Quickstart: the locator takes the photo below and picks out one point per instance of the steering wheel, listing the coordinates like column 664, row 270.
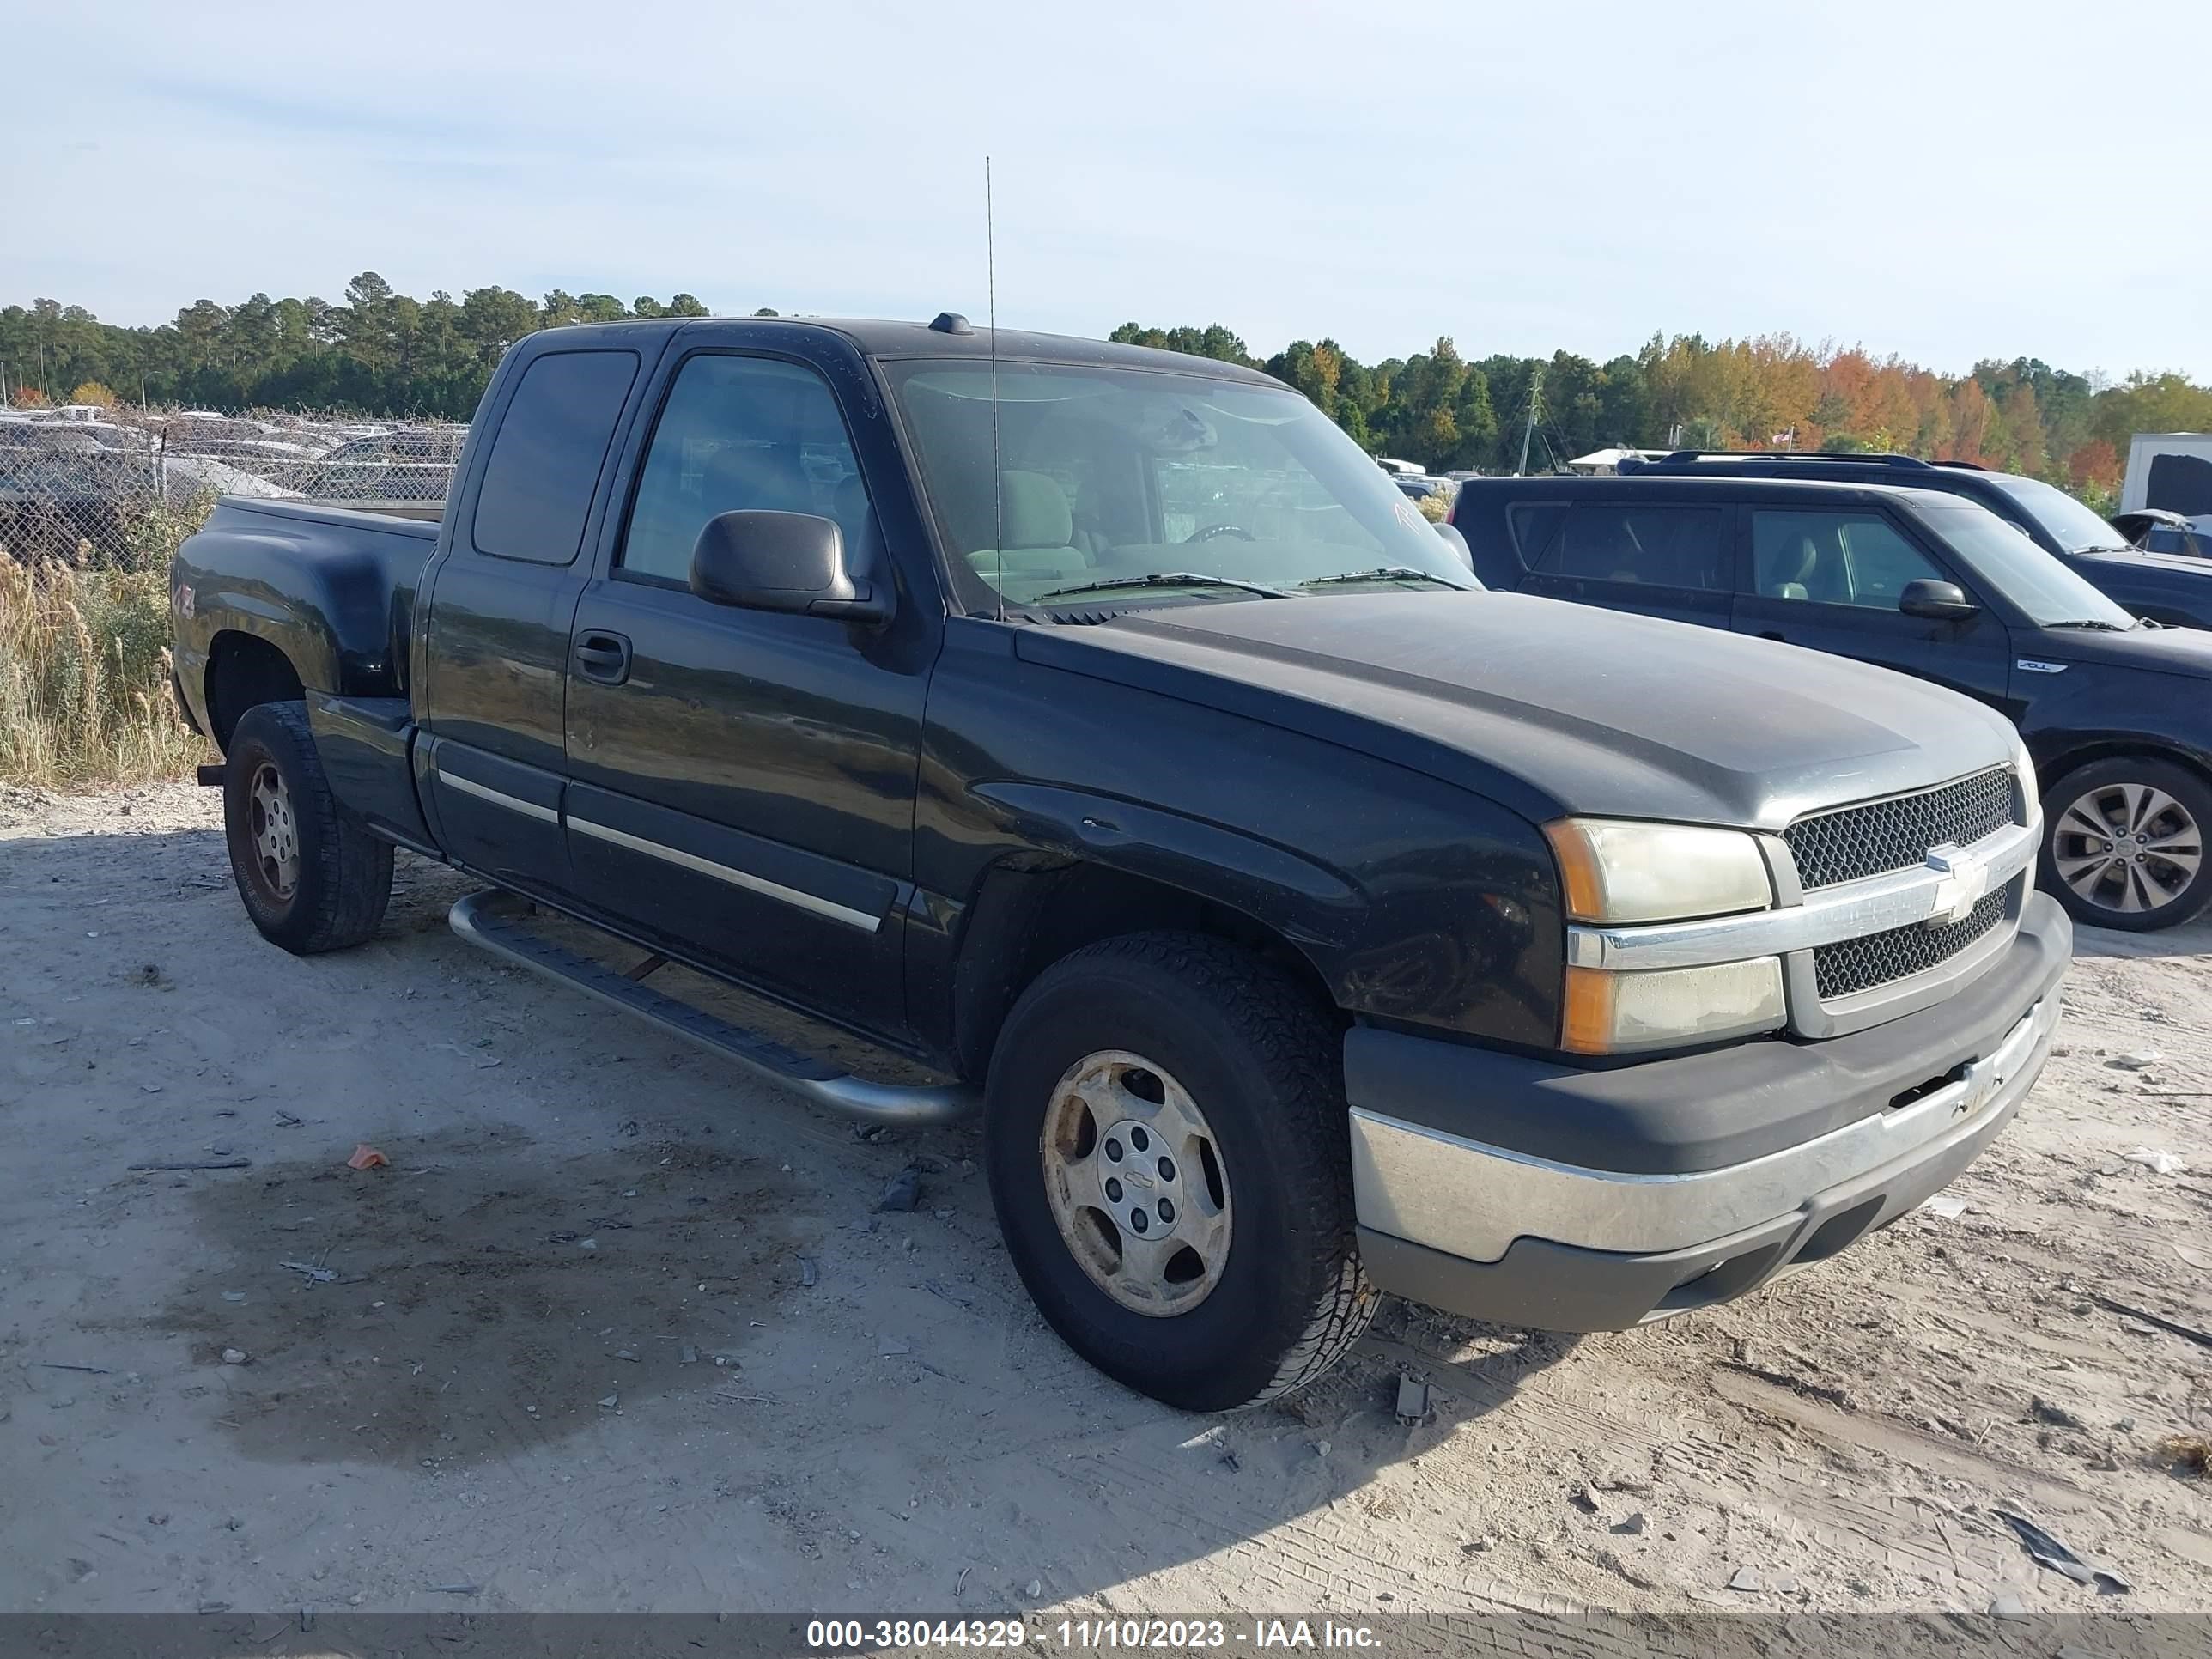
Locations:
column 1213, row 530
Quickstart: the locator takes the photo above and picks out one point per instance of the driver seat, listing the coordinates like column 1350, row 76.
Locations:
column 1038, row 529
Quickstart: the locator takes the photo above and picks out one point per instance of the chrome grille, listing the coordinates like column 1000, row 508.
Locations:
column 1897, row 834
column 1861, row 964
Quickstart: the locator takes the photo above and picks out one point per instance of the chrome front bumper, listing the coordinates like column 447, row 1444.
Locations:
column 1472, row 1201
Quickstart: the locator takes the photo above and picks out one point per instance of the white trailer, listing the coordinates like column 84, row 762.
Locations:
column 2172, row 470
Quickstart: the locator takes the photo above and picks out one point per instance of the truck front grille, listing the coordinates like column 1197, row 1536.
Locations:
column 1854, row 842
column 1861, row 964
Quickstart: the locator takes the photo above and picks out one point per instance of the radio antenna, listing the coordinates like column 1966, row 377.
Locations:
column 991, row 318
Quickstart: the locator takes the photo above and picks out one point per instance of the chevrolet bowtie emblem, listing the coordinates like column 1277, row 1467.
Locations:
column 1966, row 879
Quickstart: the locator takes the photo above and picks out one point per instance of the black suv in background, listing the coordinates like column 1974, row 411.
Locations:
column 2175, row 591
column 2115, row 711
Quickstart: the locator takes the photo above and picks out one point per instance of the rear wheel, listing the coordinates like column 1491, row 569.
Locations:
column 2124, row 843
column 313, row 877
column 1169, row 1155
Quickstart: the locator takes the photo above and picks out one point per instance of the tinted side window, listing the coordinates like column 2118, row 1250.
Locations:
column 1659, row 546
column 1834, row 558
column 546, row 456
column 743, row 433
column 1535, row 527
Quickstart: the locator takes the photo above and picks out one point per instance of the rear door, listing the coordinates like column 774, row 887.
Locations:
column 742, row 784
column 1831, row 579
column 1658, row 558
column 501, row 603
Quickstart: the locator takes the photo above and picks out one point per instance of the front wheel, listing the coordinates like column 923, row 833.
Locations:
column 2124, row 843
column 313, row 877
column 1169, row 1155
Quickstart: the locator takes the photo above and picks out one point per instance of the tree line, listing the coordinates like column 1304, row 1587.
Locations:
column 383, row 353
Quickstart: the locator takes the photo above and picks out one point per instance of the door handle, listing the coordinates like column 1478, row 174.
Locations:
column 603, row 657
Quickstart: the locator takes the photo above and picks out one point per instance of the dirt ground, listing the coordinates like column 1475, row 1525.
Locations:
column 617, row 1330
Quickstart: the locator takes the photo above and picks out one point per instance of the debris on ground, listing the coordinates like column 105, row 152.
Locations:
column 2203, row 1339
column 2048, row 1551
column 1581, row 1498
column 2159, row 1161
column 2007, row 1605
column 1945, row 1207
column 1747, row 1579
column 903, row 1191
column 1796, row 1385
column 315, row 1275
column 1413, row 1399
column 234, row 1356
column 2191, row 1453
column 60, row 1365
column 2136, row 1060
column 2201, row 1260
column 891, row 1345
column 365, row 1157
column 454, row 1590
column 806, row 1274
column 1629, row 1525
column 610, row 1402
column 194, row 1164
column 2043, row 1411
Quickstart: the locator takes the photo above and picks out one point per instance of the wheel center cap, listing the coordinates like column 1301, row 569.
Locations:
column 1142, row 1185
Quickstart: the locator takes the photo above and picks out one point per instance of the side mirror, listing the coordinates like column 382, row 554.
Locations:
column 788, row 562
column 1936, row 601
column 1457, row 543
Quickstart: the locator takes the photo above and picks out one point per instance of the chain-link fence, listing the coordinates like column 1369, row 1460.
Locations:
column 115, row 487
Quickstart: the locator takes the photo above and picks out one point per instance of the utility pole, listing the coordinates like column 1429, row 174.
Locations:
column 1528, row 432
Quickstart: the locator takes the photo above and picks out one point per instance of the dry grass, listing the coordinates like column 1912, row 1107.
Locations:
column 84, row 675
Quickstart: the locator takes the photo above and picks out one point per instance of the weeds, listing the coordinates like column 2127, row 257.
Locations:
column 84, row 668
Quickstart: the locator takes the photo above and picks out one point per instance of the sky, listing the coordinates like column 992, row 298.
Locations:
column 1950, row 180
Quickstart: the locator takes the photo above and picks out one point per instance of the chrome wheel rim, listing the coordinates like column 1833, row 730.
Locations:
column 2128, row 848
column 273, row 832
column 1137, row 1183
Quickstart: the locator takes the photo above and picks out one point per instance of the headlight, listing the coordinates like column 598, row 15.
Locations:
column 1614, row 1014
column 2023, row 766
column 1620, row 872
column 1618, row 869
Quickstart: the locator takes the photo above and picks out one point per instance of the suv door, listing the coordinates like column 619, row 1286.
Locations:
column 500, row 604
column 1659, row 558
column 741, row 783
column 1830, row 578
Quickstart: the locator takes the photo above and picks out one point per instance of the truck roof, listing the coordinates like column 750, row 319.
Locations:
column 877, row 337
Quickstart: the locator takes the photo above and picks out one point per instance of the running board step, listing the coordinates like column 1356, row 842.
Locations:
column 488, row 920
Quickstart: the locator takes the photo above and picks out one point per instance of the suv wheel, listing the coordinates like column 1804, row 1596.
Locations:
column 1167, row 1143
column 2124, row 843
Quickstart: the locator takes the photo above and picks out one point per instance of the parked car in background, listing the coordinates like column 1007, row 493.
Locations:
column 2117, row 714
column 2157, row 530
column 410, row 464
column 1097, row 727
column 2173, row 590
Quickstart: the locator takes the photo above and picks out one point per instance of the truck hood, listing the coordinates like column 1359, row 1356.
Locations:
column 1552, row 708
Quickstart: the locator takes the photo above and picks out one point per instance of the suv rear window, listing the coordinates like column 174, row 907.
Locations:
column 546, row 459
column 1652, row 544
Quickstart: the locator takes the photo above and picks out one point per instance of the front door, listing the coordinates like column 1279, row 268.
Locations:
column 742, row 784
column 1831, row 580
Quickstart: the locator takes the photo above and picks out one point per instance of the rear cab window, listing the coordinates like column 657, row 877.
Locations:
column 546, row 457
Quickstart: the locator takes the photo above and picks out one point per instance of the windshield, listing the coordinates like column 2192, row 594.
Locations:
column 2042, row 587
column 2074, row 527
column 1108, row 475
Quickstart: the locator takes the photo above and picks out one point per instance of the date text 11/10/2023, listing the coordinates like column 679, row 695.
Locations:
column 1157, row 1635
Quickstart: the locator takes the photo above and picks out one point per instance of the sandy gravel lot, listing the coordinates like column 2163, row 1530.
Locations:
column 617, row 1330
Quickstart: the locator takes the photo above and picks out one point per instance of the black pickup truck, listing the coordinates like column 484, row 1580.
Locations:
column 1101, row 729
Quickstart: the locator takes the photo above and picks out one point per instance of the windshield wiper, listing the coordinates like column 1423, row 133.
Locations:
column 1389, row 573
column 2100, row 626
column 1169, row 578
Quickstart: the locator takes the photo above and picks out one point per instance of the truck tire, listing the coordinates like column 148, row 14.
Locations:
column 2124, row 843
column 1167, row 1143
column 313, row 877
